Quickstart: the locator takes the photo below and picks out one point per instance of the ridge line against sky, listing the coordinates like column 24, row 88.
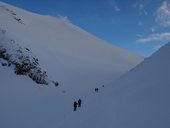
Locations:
column 141, row 26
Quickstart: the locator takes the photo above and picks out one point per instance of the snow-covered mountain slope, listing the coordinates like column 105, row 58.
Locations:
column 139, row 99
column 68, row 54
column 77, row 60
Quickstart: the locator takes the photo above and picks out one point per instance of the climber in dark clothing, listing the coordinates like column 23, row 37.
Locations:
column 75, row 106
column 79, row 103
column 96, row 89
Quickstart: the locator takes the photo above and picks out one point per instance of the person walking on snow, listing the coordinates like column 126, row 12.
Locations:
column 79, row 103
column 75, row 105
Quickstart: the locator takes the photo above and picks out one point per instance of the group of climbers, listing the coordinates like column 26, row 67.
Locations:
column 77, row 104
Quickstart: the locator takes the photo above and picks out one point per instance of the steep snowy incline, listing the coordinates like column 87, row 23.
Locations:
column 140, row 99
column 24, row 105
column 79, row 61
column 67, row 52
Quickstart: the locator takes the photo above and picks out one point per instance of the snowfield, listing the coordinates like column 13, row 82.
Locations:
column 139, row 99
column 133, row 96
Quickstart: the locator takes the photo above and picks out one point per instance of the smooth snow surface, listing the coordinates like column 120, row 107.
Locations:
column 77, row 60
column 139, row 99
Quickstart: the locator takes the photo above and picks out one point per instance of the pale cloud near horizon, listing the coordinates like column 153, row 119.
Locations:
column 154, row 37
column 163, row 14
column 163, row 19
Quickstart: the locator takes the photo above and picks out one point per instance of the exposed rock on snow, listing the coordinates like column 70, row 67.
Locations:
column 23, row 60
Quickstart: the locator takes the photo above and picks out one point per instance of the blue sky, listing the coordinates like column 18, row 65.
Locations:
column 141, row 26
